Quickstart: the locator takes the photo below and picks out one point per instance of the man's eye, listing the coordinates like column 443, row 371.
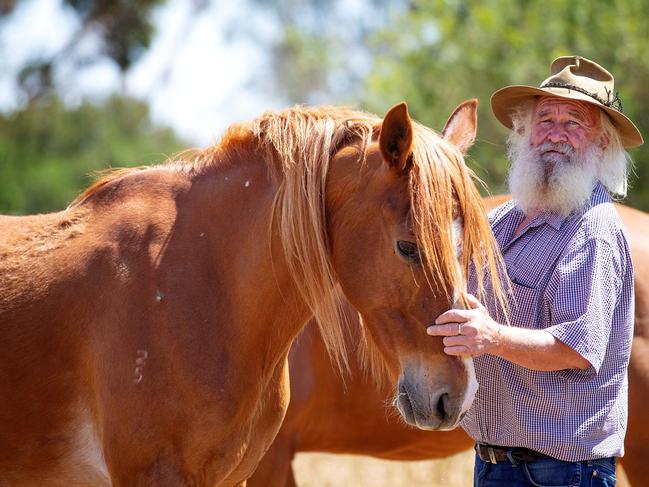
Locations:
column 408, row 250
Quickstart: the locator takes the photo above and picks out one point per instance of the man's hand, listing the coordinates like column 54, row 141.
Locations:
column 471, row 332
column 467, row 332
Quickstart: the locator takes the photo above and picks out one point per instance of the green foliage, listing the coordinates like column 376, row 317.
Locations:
column 120, row 30
column 441, row 52
column 47, row 152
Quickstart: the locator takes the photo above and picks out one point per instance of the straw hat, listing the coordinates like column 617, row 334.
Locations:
column 575, row 78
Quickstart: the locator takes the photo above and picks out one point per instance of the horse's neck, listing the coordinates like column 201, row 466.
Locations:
column 264, row 302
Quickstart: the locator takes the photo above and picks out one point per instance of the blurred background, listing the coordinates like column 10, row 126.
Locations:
column 91, row 84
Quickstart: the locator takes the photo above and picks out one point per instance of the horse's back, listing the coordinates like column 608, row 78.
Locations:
column 69, row 282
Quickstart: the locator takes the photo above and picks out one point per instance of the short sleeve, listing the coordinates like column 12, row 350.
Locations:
column 588, row 286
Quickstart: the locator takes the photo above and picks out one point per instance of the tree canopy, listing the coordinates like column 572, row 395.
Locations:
column 48, row 151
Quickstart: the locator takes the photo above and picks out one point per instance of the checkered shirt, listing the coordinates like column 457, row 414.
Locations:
column 573, row 278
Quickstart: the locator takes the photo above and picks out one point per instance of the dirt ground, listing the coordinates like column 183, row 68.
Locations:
column 321, row 470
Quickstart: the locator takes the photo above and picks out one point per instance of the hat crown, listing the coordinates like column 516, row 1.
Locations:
column 581, row 74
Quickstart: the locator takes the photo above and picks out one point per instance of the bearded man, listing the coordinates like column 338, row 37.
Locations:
column 551, row 408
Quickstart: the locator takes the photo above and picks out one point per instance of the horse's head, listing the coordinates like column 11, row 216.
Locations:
column 403, row 230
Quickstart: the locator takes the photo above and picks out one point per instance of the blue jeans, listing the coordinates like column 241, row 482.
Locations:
column 545, row 472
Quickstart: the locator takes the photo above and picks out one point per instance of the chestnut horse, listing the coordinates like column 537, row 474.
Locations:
column 329, row 415
column 144, row 330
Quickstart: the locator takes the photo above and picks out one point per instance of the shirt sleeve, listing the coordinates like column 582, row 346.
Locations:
column 589, row 283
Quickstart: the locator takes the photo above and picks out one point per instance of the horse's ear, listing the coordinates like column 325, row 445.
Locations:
column 460, row 129
column 395, row 139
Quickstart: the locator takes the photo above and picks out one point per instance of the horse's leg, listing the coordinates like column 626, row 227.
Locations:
column 290, row 480
column 634, row 464
column 636, row 443
column 275, row 468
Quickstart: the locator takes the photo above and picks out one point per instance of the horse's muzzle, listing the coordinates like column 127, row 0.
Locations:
column 432, row 411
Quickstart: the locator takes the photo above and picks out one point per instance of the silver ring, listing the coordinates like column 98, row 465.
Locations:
column 459, row 328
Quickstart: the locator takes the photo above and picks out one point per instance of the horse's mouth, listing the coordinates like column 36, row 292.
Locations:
column 405, row 408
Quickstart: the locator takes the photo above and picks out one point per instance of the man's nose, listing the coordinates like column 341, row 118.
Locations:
column 557, row 134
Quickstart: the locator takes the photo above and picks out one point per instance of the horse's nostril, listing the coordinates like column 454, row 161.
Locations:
column 442, row 406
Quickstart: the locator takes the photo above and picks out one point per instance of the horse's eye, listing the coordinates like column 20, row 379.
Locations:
column 408, row 250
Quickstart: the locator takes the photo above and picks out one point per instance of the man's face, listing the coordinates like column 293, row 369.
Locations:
column 561, row 127
column 554, row 164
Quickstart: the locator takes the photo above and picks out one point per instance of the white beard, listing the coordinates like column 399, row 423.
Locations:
column 559, row 183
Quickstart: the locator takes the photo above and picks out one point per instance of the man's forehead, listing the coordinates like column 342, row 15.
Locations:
column 580, row 109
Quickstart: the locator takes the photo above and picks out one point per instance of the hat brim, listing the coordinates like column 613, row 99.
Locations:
column 505, row 101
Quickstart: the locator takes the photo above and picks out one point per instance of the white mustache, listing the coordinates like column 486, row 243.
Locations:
column 562, row 148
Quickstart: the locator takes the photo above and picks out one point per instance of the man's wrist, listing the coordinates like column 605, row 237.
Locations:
column 499, row 339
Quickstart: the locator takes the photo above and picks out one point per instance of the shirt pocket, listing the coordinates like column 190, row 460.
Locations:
column 524, row 306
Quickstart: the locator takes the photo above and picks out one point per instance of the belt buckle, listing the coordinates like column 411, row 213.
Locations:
column 492, row 455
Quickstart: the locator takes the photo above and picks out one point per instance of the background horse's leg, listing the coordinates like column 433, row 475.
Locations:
column 636, row 444
column 275, row 468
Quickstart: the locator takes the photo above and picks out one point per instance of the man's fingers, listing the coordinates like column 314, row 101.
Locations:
column 452, row 316
column 458, row 350
column 453, row 341
column 450, row 329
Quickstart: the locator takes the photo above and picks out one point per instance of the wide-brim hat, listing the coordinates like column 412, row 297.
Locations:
column 574, row 78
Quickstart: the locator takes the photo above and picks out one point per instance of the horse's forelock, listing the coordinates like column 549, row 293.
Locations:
column 438, row 171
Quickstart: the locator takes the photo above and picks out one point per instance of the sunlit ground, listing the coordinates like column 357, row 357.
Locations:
column 320, row 470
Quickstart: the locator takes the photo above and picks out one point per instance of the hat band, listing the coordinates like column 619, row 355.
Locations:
column 612, row 101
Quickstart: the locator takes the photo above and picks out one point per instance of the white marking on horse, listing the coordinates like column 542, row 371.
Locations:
column 471, row 387
column 159, row 296
column 458, row 228
column 123, row 270
column 472, row 381
column 456, row 234
column 140, row 362
column 247, row 183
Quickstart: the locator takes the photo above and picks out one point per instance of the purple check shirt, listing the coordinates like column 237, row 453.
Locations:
column 573, row 278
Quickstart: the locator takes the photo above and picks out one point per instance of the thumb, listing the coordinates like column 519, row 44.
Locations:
column 473, row 301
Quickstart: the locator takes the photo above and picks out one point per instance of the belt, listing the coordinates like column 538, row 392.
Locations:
column 495, row 454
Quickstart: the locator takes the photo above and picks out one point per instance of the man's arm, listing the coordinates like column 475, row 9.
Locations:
column 532, row 349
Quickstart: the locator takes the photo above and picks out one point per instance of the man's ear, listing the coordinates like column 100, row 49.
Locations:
column 395, row 140
column 461, row 127
column 604, row 140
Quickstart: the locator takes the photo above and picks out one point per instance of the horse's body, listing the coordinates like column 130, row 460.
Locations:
column 326, row 415
column 144, row 331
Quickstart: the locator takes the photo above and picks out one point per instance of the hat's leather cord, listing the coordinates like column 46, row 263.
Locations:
column 613, row 100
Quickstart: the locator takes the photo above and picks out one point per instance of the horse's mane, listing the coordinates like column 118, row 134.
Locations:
column 299, row 143
column 303, row 141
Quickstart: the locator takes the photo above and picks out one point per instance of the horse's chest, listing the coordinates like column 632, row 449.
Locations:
column 270, row 412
